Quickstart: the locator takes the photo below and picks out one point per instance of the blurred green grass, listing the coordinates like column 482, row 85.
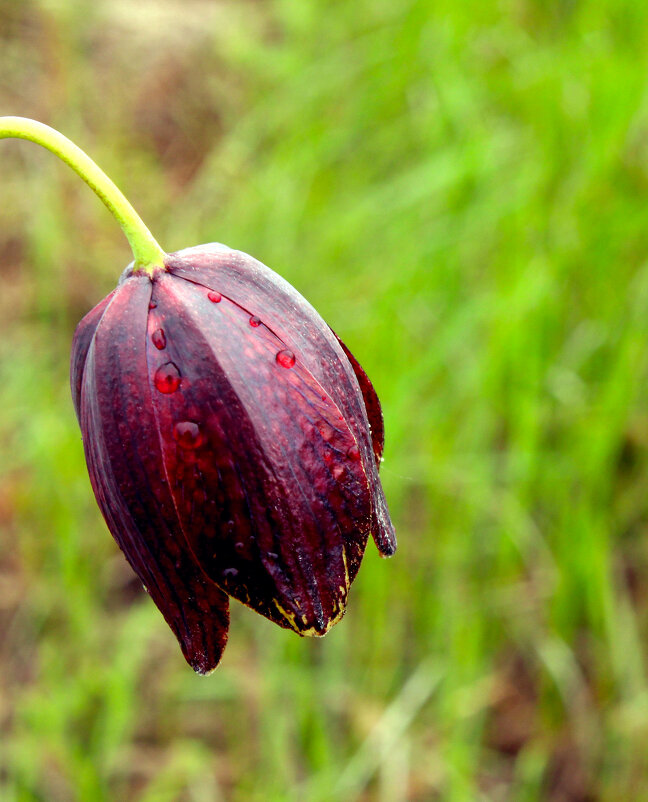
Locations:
column 460, row 190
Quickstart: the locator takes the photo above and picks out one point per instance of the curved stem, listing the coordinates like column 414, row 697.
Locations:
column 147, row 253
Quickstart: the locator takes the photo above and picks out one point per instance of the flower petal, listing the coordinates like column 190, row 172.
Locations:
column 257, row 456
column 381, row 528
column 80, row 345
column 124, row 457
column 372, row 404
column 293, row 320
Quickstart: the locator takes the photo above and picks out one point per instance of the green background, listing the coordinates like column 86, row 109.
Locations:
column 460, row 188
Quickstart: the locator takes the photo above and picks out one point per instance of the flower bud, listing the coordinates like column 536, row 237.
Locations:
column 233, row 445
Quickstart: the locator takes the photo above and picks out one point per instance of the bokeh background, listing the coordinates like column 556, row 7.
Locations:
column 461, row 189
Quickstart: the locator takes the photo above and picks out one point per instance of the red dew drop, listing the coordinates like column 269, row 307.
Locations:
column 167, row 378
column 338, row 471
column 187, row 434
column 215, row 297
column 286, row 358
column 353, row 453
column 159, row 339
column 152, row 304
column 254, row 321
column 328, row 456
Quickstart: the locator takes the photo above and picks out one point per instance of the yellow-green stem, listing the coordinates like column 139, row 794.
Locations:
column 147, row 253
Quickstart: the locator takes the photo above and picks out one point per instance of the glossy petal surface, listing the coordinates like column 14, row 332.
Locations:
column 281, row 507
column 124, row 458
column 248, row 281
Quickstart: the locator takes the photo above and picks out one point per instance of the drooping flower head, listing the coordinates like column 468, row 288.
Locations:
column 233, row 444
column 232, row 440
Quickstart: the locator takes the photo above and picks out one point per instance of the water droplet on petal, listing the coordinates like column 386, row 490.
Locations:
column 230, row 572
column 338, row 471
column 167, row 378
column 159, row 339
column 254, row 321
column 214, row 297
column 286, row 358
column 353, row 453
column 328, row 456
column 239, row 546
column 272, row 555
column 152, row 304
column 187, row 434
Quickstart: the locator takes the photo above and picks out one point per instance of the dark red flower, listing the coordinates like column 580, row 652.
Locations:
column 233, row 445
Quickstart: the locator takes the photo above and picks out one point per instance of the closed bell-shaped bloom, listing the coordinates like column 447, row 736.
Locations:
column 232, row 440
column 233, row 445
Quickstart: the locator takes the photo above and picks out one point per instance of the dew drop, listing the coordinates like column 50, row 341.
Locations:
column 167, row 378
column 254, row 321
column 152, row 304
column 353, row 453
column 272, row 555
column 285, row 358
column 338, row 471
column 230, row 572
column 239, row 546
column 159, row 339
column 187, row 434
column 328, row 456
column 214, row 297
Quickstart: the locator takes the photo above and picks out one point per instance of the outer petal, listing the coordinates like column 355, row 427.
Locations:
column 294, row 321
column 372, row 404
column 80, row 345
column 124, row 457
column 257, row 457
